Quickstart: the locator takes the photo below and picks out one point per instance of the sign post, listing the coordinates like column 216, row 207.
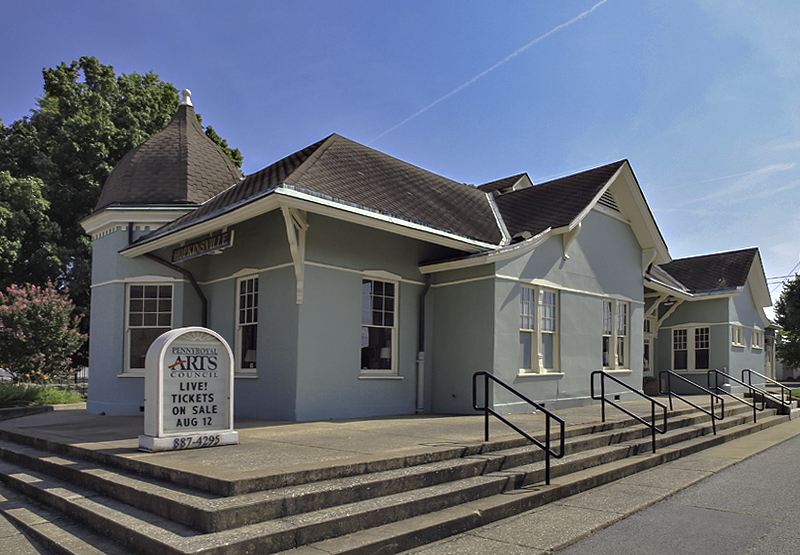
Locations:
column 188, row 388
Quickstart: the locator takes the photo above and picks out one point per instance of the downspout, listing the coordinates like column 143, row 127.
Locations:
column 421, row 350
column 188, row 275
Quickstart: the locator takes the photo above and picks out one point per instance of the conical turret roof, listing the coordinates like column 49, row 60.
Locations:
column 179, row 165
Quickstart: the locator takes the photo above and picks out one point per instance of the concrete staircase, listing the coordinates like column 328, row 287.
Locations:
column 76, row 501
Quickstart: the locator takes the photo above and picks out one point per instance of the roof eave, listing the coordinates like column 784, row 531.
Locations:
column 285, row 196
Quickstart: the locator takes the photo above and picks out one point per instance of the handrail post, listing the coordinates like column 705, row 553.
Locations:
column 603, row 396
column 653, row 429
column 486, row 405
column 547, row 452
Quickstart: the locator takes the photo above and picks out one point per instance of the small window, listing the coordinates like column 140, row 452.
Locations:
column 701, row 348
column 680, row 352
column 758, row 339
column 615, row 334
column 378, row 326
column 737, row 336
column 149, row 315
column 247, row 326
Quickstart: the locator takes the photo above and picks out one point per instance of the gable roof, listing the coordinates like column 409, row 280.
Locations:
column 346, row 174
column 724, row 273
column 553, row 204
column 177, row 166
column 712, row 272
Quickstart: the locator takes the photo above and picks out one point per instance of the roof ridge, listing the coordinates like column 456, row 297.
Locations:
column 312, row 158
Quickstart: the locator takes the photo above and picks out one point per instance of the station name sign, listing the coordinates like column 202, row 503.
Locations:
column 199, row 248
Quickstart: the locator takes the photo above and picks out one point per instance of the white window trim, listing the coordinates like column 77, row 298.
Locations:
column 615, row 335
column 243, row 372
column 758, row 339
column 126, row 367
column 385, row 373
column 691, row 348
column 737, row 335
column 537, row 357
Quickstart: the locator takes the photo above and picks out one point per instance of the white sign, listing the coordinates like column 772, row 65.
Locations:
column 188, row 391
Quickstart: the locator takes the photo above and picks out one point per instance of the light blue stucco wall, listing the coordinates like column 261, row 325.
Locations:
column 720, row 315
column 111, row 390
column 477, row 317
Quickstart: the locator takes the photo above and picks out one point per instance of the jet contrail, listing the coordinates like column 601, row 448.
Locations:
column 495, row 66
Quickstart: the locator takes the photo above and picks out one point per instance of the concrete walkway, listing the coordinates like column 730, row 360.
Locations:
column 749, row 504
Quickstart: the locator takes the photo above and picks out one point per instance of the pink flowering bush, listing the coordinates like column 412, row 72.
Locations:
column 38, row 333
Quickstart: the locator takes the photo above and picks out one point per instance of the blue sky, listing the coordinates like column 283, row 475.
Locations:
column 701, row 96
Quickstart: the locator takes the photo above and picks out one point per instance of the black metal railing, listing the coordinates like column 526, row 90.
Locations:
column 652, row 425
column 754, row 391
column 487, row 410
column 713, row 396
column 786, row 392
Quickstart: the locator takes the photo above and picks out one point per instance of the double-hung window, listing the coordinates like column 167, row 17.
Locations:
column 149, row 315
column 758, row 340
column 615, row 343
column 247, row 326
column 538, row 332
column 378, row 327
column 691, row 348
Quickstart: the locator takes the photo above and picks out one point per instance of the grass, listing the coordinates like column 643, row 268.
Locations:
column 21, row 395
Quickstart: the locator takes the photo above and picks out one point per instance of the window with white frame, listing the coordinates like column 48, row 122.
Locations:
column 616, row 344
column 758, row 339
column 538, row 333
column 737, row 336
column 149, row 315
column 378, row 326
column 691, row 348
column 247, row 326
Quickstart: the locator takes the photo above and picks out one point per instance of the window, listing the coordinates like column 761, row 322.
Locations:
column 701, row 345
column 758, row 339
column 680, row 351
column 149, row 315
column 378, row 326
column 538, row 333
column 615, row 334
column 247, row 326
column 691, row 356
column 737, row 336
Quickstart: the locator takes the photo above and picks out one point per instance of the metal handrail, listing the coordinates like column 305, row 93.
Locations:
column 653, row 403
column 487, row 410
column 784, row 389
column 753, row 390
column 713, row 396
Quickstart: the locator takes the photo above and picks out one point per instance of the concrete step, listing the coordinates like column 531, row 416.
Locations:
column 400, row 536
column 211, row 513
column 57, row 534
column 151, row 533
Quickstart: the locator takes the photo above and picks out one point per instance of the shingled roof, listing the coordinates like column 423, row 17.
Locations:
column 553, row 204
column 712, row 272
column 350, row 174
column 178, row 166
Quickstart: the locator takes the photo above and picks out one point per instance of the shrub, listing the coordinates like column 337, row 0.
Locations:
column 38, row 333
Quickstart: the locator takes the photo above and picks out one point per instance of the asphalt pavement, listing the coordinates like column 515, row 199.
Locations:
column 737, row 498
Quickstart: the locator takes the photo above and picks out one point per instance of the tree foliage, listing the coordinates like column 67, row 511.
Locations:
column 787, row 315
column 27, row 235
column 38, row 332
column 86, row 121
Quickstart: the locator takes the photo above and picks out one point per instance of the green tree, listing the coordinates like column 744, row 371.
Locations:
column 27, row 249
column 787, row 315
column 38, row 332
column 86, row 121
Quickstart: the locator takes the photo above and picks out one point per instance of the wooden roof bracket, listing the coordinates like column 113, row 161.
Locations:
column 569, row 237
column 296, row 226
